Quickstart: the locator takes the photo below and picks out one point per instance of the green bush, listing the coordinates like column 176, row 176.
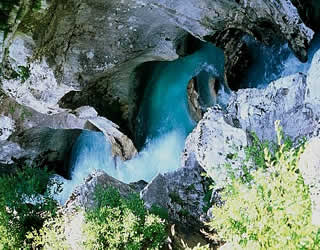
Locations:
column 118, row 223
column 273, row 209
column 50, row 236
column 25, row 202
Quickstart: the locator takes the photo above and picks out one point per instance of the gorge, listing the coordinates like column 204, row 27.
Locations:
column 154, row 97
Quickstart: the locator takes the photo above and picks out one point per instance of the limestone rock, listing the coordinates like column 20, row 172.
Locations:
column 121, row 145
column 7, row 127
column 214, row 144
column 194, row 106
column 312, row 94
column 10, row 150
column 47, row 147
column 309, row 165
column 21, row 118
column 83, row 195
column 182, row 193
column 309, row 11
column 63, row 59
column 256, row 110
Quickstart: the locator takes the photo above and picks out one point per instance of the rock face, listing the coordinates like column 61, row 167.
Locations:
column 47, row 147
column 195, row 109
column 57, row 54
column 309, row 11
column 309, row 165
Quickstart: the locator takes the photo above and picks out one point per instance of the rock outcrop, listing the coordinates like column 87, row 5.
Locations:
column 215, row 146
column 16, row 119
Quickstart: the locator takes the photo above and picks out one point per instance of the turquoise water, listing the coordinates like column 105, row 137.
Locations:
column 164, row 106
column 273, row 62
column 163, row 121
column 163, row 124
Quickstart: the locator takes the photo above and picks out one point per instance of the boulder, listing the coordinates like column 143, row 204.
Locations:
column 83, row 195
column 18, row 118
column 256, row 110
column 217, row 146
column 182, row 193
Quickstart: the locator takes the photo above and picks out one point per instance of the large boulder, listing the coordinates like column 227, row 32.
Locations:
column 215, row 144
column 182, row 193
column 16, row 118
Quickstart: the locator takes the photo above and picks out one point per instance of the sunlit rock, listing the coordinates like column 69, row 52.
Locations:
column 7, row 127
column 256, row 110
column 217, row 146
column 182, row 193
column 313, row 84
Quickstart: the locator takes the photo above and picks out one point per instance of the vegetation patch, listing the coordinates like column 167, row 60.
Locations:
column 272, row 209
column 25, row 203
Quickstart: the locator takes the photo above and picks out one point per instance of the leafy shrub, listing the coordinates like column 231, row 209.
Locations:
column 118, row 223
column 50, row 236
column 25, row 203
column 273, row 209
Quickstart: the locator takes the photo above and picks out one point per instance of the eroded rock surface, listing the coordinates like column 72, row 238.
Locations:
column 57, row 54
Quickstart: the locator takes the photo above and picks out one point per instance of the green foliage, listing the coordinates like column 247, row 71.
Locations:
column 25, row 202
column 50, row 236
column 23, row 73
column 273, row 210
column 160, row 211
column 118, row 223
column 176, row 198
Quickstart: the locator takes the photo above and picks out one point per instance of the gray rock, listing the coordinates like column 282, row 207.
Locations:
column 7, row 127
column 20, row 118
column 214, row 144
column 309, row 165
column 46, row 147
column 83, row 195
column 182, row 193
column 256, row 110
column 312, row 94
